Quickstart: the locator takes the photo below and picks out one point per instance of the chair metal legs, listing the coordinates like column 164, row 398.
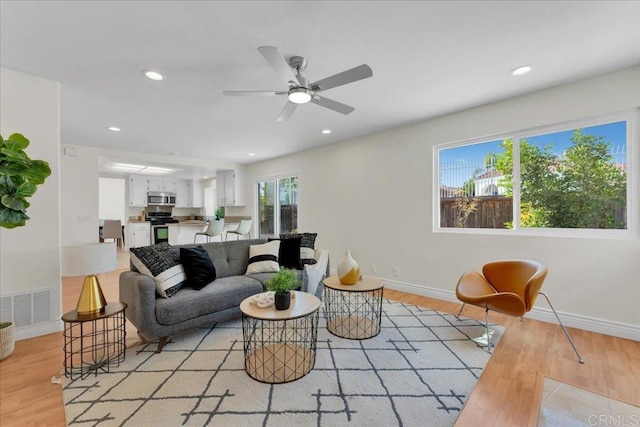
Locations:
column 460, row 312
column 486, row 323
column 486, row 338
column 580, row 359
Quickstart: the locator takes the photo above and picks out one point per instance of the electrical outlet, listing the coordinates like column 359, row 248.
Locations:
column 396, row 271
column 373, row 268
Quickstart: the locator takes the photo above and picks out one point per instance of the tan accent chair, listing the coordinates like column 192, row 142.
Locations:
column 214, row 228
column 112, row 229
column 509, row 287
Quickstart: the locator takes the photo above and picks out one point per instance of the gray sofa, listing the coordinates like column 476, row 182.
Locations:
column 158, row 318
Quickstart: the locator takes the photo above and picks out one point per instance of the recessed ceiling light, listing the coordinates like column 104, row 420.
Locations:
column 153, row 75
column 205, row 177
column 114, row 128
column 251, row 154
column 326, row 131
column 520, row 71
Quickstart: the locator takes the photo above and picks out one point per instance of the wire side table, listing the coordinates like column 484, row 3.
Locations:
column 353, row 311
column 280, row 345
column 94, row 342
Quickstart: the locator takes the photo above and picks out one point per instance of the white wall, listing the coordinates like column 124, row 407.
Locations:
column 111, row 199
column 30, row 255
column 79, row 195
column 374, row 196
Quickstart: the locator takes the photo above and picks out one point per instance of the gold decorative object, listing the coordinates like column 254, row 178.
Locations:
column 89, row 260
column 348, row 270
column 91, row 297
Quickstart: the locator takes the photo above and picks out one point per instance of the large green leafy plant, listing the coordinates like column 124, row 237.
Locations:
column 19, row 178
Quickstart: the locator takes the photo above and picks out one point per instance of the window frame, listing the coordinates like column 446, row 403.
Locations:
column 633, row 188
column 256, row 202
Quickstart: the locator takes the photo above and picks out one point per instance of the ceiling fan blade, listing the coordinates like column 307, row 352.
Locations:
column 252, row 93
column 353, row 75
column 287, row 111
column 278, row 63
column 332, row 105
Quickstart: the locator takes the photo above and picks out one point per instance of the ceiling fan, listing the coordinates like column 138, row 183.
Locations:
column 300, row 90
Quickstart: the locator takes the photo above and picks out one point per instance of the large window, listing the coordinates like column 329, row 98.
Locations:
column 574, row 176
column 277, row 205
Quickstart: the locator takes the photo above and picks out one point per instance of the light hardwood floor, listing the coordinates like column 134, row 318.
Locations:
column 507, row 394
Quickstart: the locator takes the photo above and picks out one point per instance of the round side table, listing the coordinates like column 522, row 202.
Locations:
column 280, row 345
column 94, row 342
column 353, row 311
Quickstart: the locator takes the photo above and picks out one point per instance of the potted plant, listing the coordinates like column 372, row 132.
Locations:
column 7, row 339
column 220, row 213
column 282, row 283
column 19, row 177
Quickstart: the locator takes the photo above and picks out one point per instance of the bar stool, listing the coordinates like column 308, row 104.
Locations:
column 243, row 229
column 215, row 227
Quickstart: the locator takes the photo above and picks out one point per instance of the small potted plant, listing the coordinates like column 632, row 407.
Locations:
column 220, row 212
column 282, row 283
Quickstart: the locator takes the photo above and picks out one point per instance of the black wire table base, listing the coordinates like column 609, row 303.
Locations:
column 94, row 343
column 280, row 351
column 353, row 315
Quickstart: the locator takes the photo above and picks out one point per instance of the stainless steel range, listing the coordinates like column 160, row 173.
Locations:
column 159, row 229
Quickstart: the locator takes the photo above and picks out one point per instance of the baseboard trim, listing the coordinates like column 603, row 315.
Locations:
column 601, row 326
column 43, row 328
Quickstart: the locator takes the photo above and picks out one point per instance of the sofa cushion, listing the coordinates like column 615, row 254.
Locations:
column 289, row 253
column 263, row 277
column 197, row 267
column 227, row 292
column 162, row 262
column 264, row 258
column 307, row 245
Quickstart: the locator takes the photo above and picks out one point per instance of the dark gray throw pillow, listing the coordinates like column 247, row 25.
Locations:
column 307, row 245
column 162, row 262
column 198, row 267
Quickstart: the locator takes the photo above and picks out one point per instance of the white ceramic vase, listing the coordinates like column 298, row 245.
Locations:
column 348, row 270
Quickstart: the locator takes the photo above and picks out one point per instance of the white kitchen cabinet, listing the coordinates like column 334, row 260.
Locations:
column 230, row 188
column 174, row 230
column 139, row 234
column 183, row 234
column 138, row 188
column 162, row 185
column 184, row 193
column 198, row 194
column 189, row 193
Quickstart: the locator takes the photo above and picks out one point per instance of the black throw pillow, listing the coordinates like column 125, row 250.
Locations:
column 197, row 267
column 289, row 254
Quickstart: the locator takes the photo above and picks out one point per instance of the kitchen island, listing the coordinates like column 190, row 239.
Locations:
column 183, row 232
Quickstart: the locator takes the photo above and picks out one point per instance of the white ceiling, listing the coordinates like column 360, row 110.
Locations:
column 428, row 59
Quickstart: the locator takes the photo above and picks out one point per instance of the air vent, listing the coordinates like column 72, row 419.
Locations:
column 27, row 308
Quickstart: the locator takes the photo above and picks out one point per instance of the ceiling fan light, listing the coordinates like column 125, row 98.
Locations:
column 299, row 95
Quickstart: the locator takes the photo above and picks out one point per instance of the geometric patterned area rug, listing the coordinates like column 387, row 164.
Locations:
column 419, row 371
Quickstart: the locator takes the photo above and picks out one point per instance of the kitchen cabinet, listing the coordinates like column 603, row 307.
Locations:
column 189, row 193
column 162, row 185
column 138, row 188
column 139, row 234
column 184, row 193
column 198, row 194
column 230, row 188
column 183, row 234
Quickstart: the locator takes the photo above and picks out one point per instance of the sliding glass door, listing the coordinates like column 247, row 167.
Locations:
column 277, row 206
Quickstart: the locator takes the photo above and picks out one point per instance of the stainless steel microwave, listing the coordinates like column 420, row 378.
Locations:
column 161, row 199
